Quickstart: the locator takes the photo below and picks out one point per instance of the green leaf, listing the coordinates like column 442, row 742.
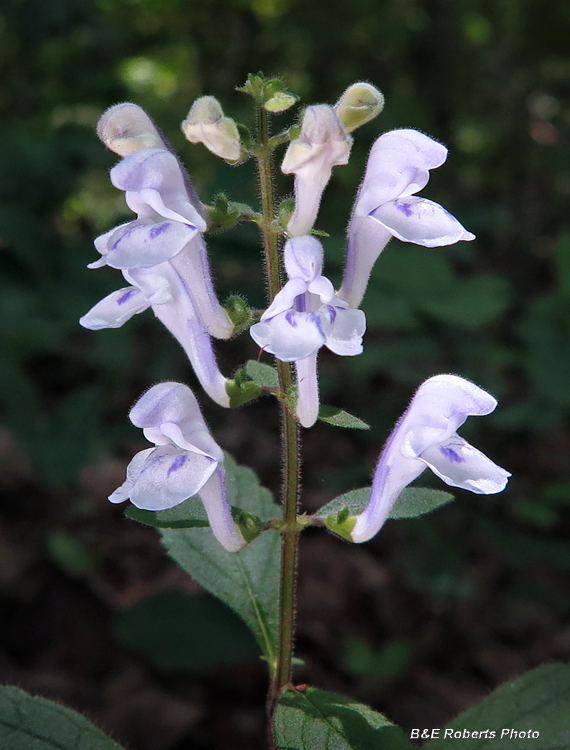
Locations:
column 178, row 631
column 28, row 722
column 317, row 719
column 411, row 503
column 188, row 515
column 417, row 501
column 264, row 375
column 247, row 581
column 341, row 418
column 537, row 701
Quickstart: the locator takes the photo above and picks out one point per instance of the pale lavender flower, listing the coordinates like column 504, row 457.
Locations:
column 185, row 461
column 385, row 207
column 426, row 437
column 163, row 256
column 304, row 316
column 322, row 144
column 168, row 229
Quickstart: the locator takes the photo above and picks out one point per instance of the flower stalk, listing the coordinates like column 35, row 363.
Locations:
column 290, row 436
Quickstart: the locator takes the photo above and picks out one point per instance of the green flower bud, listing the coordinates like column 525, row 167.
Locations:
column 359, row 104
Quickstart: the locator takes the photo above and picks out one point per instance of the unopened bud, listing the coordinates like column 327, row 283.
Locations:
column 206, row 124
column 359, row 104
column 126, row 128
column 321, row 131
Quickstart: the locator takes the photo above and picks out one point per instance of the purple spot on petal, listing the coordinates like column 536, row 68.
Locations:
column 126, row 296
column 290, row 318
column 405, row 208
column 300, row 303
column 332, row 313
column 132, row 228
column 158, row 229
column 178, row 463
column 316, row 319
column 451, row 455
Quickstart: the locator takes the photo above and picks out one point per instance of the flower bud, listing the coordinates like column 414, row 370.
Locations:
column 126, row 128
column 359, row 104
column 206, row 124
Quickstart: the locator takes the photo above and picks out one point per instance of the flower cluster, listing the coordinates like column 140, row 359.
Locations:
column 162, row 255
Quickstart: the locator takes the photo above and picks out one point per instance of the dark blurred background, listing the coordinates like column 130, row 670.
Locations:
column 433, row 613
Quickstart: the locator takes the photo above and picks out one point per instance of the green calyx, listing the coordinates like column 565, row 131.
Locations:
column 342, row 524
column 241, row 389
column 224, row 213
column 249, row 525
column 238, row 312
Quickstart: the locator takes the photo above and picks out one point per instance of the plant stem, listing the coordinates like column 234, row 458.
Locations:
column 290, row 436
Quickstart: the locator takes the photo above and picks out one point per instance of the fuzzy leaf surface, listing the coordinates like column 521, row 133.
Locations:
column 247, row 581
column 315, row 718
column 33, row 723
column 341, row 418
column 537, row 701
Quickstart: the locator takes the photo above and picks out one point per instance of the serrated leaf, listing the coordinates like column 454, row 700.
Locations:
column 318, row 719
column 537, row 701
column 263, row 375
column 178, row 631
column 341, row 418
column 28, row 722
column 411, row 503
column 247, row 581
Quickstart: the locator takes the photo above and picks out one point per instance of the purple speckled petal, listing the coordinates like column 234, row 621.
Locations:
column 420, row 221
column 115, row 309
column 426, row 436
column 142, row 244
column 346, row 331
column 169, row 476
column 290, row 336
column 285, row 299
column 461, row 465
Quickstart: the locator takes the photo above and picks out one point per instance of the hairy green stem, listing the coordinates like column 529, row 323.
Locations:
column 290, row 437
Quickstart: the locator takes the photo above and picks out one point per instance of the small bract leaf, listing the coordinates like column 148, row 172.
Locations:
column 530, row 712
column 412, row 502
column 312, row 718
column 241, row 393
column 341, row 418
column 28, row 722
column 285, row 211
column 262, row 374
